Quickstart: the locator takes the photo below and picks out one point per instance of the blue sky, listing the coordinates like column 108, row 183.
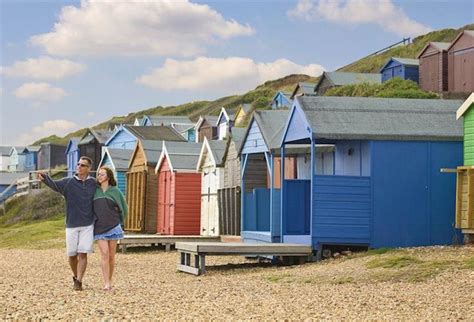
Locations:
column 70, row 64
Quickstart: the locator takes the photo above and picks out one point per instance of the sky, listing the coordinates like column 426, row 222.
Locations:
column 66, row 65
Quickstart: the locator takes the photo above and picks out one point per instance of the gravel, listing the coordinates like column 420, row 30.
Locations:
column 36, row 284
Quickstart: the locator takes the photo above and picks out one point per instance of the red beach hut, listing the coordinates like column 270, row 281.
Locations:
column 179, row 189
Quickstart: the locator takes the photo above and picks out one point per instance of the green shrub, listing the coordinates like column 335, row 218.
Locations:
column 39, row 205
column 393, row 88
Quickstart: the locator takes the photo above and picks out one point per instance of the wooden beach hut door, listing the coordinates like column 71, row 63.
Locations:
column 165, row 198
column 136, row 191
column 209, row 208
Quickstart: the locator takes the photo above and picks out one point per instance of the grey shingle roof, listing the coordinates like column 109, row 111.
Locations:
column 340, row 78
column 20, row 149
column 183, row 155
column 100, row 135
column 168, row 119
column 441, row 45
column 183, row 127
column 5, row 150
column 237, row 134
column 120, row 158
column 165, row 133
column 407, row 61
column 356, row 118
column 218, row 149
column 152, row 149
column 33, row 148
column 272, row 124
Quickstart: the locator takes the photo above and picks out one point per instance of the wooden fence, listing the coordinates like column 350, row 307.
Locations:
column 229, row 211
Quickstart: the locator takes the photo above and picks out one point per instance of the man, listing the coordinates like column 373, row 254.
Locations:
column 79, row 194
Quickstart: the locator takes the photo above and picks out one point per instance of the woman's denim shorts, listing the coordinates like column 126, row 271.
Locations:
column 115, row 233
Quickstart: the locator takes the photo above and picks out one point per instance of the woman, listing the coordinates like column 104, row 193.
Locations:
column 110, row 210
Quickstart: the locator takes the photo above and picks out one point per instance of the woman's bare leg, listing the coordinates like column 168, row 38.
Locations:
column 112, row 251
column 104, row 261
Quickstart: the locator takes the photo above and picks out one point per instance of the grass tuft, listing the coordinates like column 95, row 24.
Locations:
column 392, row 262
column 43, row 234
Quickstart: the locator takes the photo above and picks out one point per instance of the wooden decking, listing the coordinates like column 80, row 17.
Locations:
column 154, row 240
column 199, row 250
column 468, row 236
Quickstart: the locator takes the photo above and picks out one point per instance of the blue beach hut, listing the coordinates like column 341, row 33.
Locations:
column 72, row 155
column 117, row 160
column 260, row 200
column 404, row 68
column 387, row 189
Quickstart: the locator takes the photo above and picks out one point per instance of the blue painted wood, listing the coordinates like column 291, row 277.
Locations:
column 352, row 158
column 257, row 210
column 342, row 210
column 249, row 212
column 397, row 69
column 296, row 214
column 297, row 127
column 280, row 101
column 191, row 135
column 121, row 181
column 263, row 209
column 254, row 142
column 122, row 140
column 413, row 202
column 276, row 213
column 258, row 237
column 442, row 198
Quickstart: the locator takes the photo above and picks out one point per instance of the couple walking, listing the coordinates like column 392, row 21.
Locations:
column 95, row 210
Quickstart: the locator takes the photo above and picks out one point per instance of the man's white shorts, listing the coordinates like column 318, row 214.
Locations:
column 79, row 240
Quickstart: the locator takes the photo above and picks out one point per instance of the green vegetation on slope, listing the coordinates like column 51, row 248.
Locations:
column 40, row 205
column 395, row 87
column 261, row 96
column 40, row 234
column 372, row 64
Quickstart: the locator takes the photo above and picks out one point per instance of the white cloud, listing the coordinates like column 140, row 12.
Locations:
column 43, row 68
column 103, row 28
column 381, row 12
column 221, row 75
column 40, row 92
column 47, row 128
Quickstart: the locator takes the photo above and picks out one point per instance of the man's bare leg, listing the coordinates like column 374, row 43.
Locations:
column 73, row 264
column 81, row 265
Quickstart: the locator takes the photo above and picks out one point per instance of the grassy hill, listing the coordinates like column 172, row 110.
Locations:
column 372, row 64
column 261, row 96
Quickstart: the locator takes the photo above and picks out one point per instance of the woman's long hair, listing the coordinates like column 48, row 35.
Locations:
column 110, row 175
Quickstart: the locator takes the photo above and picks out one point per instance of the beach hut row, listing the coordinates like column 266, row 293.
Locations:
column 184, row 188
column 352, row 171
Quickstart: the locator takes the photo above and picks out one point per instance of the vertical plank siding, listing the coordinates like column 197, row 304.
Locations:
column 461, row 65
column 136, row 190
column 187, row 204
column 229, row 210
column 151, row 201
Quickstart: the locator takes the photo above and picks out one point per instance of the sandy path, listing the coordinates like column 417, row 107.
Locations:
column 37, row 284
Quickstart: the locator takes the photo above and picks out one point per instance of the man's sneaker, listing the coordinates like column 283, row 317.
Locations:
column 77, row 284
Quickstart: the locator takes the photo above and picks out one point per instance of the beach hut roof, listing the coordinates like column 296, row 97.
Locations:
column 361, row 118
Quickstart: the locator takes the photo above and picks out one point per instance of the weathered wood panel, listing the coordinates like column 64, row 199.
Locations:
column 136, row 191
column 151, row 210
column 461, row 65
column 229, row 201
column 256, row 173
column 187, row 208
column 232, row 167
